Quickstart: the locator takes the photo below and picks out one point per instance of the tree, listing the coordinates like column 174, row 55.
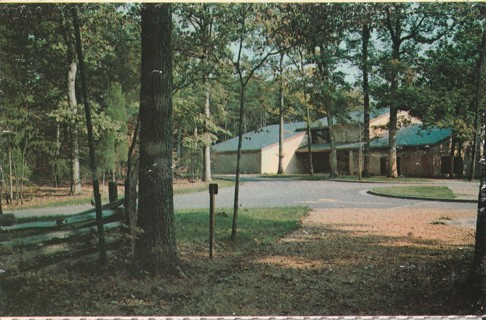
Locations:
column 299, row 63
column 362, row 22
column 328, row 82
column 442, row 93
column 197, row 41
column 29, row 71
column 405, row 26
column 89, row 127
column 71, row 60
column 245, row 31
column 113, row 145
column 477, row 92
column 156, row 249
column 477, row 276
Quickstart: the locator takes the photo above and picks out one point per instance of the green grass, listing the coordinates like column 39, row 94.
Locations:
column 296, row 176
column 433, row 192
column 197, row 188
column 383, row 179
column 321, row 176
column 255, row 225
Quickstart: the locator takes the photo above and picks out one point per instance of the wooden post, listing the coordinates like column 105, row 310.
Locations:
column 213, row 190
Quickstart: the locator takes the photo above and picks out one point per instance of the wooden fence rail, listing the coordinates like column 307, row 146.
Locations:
column 32, row 245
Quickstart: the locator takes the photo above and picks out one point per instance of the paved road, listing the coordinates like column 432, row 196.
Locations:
column 268, row 192
column 315, row 194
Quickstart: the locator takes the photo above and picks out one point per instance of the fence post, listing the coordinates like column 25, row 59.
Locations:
column 213, row 190
column 112, row 191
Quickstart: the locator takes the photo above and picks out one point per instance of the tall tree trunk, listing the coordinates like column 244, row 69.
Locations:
column 156, row 249
column 392, row 128
column 366, row 101
column 57, row 154
column 309, row 138
column 234, row 227
column 453, row 153
column 179, row 144
column 10, row 176
column 73, row 106
column 280, row 169
column 92, row 154
column 477, row 99
column 131, row 182
column 332, row 140
column 207, row 145
column 476, row 281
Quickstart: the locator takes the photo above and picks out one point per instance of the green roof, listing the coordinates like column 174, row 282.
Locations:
column 410, row 136
column 258, row 139
column 415, row 136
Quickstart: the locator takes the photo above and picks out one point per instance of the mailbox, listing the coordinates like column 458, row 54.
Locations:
column 213, row 188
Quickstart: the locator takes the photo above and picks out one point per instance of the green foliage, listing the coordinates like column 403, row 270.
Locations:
column 216, row 46
column 112, row 145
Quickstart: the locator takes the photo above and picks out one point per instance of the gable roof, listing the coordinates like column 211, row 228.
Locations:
column 258, row 139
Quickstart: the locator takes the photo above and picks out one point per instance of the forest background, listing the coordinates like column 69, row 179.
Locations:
column 285, row 62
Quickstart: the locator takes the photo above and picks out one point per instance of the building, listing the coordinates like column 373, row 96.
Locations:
column 259, row 151
column 421, row 152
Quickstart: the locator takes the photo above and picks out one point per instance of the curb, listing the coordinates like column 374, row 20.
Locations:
column 379, row 194
column 384, row 182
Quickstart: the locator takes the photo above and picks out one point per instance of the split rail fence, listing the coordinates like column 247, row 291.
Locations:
column 44, row 244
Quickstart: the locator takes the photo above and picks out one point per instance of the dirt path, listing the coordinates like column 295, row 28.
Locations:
column 379, row 261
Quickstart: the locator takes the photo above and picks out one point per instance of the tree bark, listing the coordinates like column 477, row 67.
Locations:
column 92, row 154
column 392, row 128
column 73, row 106
column 476, row 281
column 207, row 145
column 366, row 33
column 131, row 181
column 309, row 139
column 332, row 140
column 477, row 98
column 156, row 248
column 234, row 227
column 280, row 169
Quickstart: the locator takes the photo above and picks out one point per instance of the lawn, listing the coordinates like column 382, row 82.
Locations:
column 255, row 225
column 429, row 192
column 354, row 178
